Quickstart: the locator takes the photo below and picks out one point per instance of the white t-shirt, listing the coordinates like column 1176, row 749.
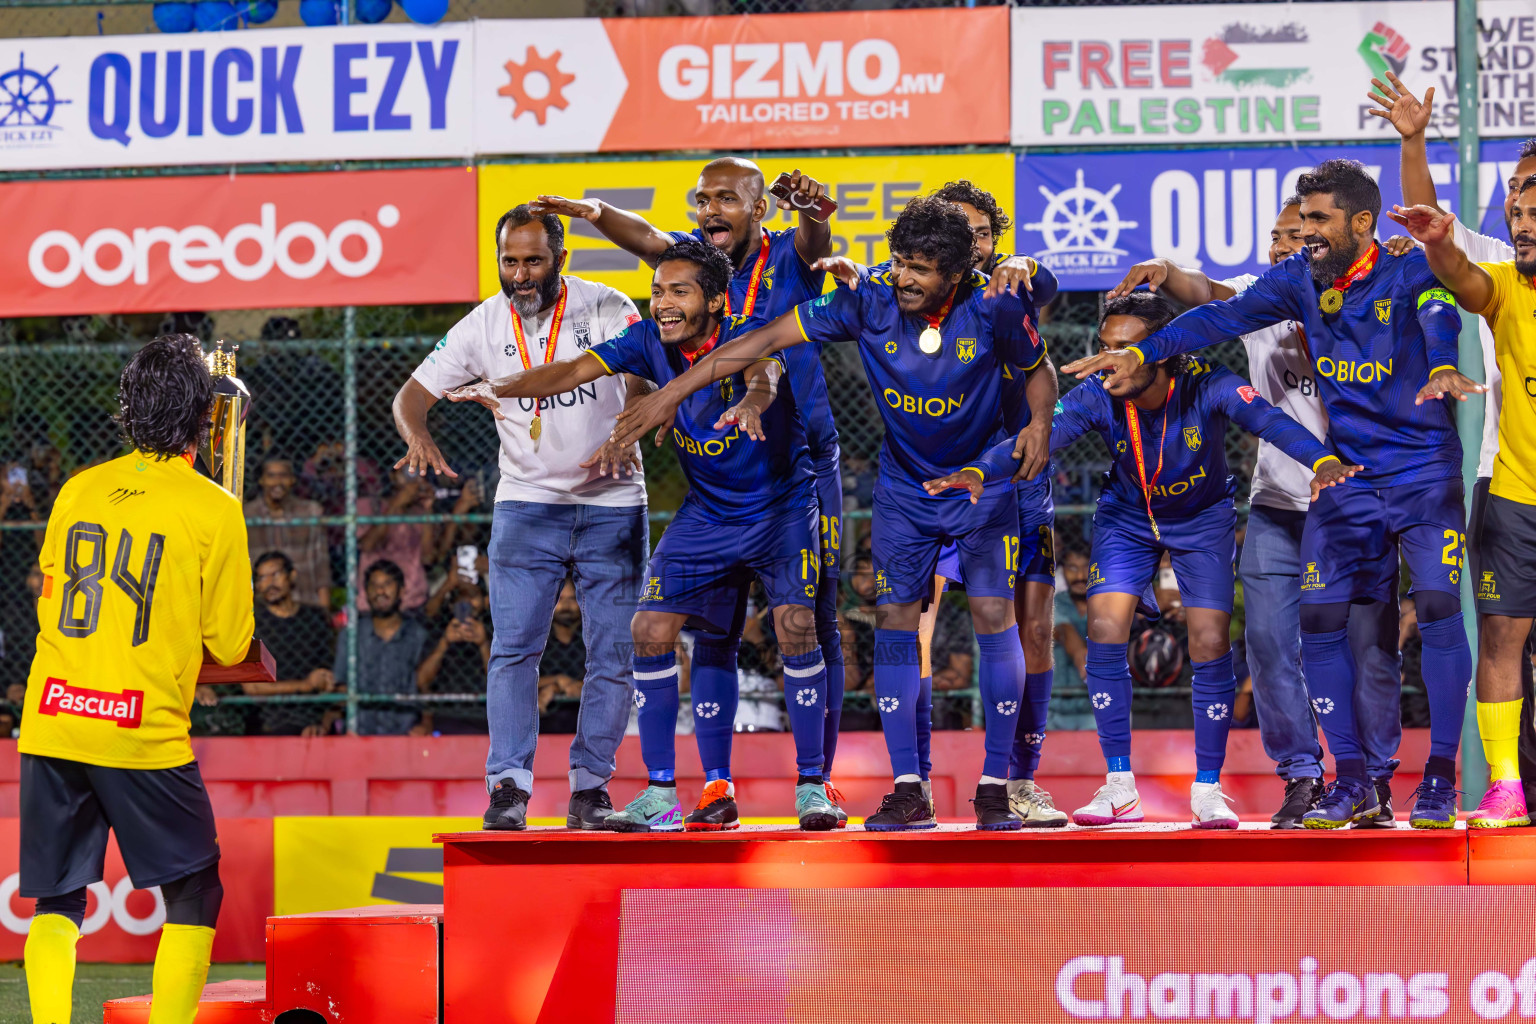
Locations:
column 574, row 425
column 1278, row 364
column 1485, row 249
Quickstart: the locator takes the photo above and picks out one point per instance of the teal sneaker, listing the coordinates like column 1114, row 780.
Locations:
column 817, row 813
column 654, row 809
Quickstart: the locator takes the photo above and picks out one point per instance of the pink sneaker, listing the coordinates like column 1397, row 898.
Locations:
column 1503, row 806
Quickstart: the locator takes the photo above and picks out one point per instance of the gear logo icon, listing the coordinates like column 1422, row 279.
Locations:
column 706, row 709
column 806, row 696
column 536, row 70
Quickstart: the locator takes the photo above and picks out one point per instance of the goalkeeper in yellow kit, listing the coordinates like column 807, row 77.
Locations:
column 145, row 564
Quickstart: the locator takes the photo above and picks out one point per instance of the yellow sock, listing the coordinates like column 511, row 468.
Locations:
column 181, row 969
column 1499, row 725
column 50, row 959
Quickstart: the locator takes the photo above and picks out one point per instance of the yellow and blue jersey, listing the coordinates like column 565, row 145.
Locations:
column 731, row 476
column 1397, row 327
column 943, row 411
column 788, row 281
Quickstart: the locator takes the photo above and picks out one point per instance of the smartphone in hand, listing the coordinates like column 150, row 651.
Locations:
column 818, row 209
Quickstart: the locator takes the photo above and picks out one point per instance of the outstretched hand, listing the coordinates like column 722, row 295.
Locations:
column 1399, row 107
column 615, row 460
column 1009, row 276
column 1331, row 474
column 1452, row 382
column 643, row 414
column 1152, row 273
column 1120, row 364
column 844, row 269
column 579, row 209
column 968, row 479
column 1424, row 223
column 479, row 392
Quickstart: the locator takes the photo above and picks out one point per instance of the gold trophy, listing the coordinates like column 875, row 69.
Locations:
column 223, row 453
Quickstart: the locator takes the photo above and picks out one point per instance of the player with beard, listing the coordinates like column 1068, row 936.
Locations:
column 772, row 272
column 1383, row 335
column 1397, row 105
column 1271, row 559
column 751, row 509
column 1506, row 586
column 934, row 347
column 554, row 515
column 1182, row 505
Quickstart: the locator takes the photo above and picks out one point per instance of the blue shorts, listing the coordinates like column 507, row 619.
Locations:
column 1204, row 549
column 829, row 498
column 1037, row 543
column 1353, row 529
column 909, row 530
column 702, row 564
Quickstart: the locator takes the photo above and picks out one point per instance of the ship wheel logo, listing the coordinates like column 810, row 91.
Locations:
column 27, row 98
column 536, row 85
column 1080, row 219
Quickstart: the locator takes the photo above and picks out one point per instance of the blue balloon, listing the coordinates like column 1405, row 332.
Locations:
column 371, row 12
column 319, row 12
column 425, row 12
column 215, row 15
column 173, row 17
column 259, row 12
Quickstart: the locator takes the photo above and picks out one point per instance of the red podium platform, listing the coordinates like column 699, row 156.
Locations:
column 769, row 923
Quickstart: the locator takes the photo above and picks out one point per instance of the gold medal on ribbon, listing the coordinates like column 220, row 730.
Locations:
column 930, row 341
column 1331, row 301
column 537, row 427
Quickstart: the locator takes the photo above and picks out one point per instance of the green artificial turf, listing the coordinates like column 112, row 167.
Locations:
column 95, row 984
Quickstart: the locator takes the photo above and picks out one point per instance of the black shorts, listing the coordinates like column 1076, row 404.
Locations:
column 1506, row 571
column 162, row 818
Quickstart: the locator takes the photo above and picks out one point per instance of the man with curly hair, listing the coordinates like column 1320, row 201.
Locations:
column 145, row 565
column 934, row 347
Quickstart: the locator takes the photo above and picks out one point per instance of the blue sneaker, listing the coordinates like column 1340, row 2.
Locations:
column 1436, row 803
column 654, row 809
column 1346, row 800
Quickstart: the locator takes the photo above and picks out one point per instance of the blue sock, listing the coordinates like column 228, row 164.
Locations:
column 1109, row 691
column 805, row 698
column 830, row 637
column 1118, row 764
column 1001, row 680
column 924, row 727
column 896, row 689
column 1215, row 690
column 713, row 686
column 656, row 697
column 1447, row 668
column 1029, row 735
column 1329, row 665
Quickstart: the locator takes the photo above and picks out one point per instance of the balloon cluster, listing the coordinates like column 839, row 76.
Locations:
column 221, row 15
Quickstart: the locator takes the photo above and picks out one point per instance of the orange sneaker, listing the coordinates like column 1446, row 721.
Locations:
column 716, row 811
column 835, row 798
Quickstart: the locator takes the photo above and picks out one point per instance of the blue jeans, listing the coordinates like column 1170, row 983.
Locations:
column 1271, row 574
column 533, row 547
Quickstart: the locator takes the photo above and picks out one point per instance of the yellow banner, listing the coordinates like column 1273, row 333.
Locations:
column 870, row 191
column 334, row 863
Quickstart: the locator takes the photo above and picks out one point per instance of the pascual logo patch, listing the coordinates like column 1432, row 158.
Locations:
column 197, row 254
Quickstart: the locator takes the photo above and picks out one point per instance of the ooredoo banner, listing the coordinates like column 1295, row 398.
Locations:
column 346, row 93
column 876, row 78
column 257, row 241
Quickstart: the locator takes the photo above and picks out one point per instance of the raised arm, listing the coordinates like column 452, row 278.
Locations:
column 540, row 382
column 656, row 410
column 1245, row 407
column 1403, row 111
column 629, row 231
column 1073, row 416
column 1470, row 283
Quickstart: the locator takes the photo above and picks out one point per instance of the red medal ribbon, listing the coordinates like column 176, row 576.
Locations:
column 704, row 349
column 935, row 321
column 1141, row 462
column 554, row 332
column 1358, row 269
column 757, row 279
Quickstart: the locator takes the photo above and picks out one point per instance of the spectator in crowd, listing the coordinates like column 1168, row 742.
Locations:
column 305, row 546
column 18, row 550
column 390, row 647
column 18, row 631
column 457, row 660
column 564, row 662
column 953, row 658
column 45, row 475
column 1072, row 620
column 302, row 643
column 410, row 546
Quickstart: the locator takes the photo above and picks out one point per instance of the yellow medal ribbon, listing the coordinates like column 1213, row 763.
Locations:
column 757, row 279
column 537, row 427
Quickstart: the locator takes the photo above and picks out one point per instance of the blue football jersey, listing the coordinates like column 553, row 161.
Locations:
column 730, row 475
column 1396, row 328
column 942, row 411
column 787, row 281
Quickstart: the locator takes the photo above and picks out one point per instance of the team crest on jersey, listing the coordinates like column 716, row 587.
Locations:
column 1384, row 310
column 965, row 348
column 652, row 589
column 583, row 332
column 890, row 347
column 727, row 391
column 1192, row 438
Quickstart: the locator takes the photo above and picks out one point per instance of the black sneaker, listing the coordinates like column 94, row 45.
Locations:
column 588, row 808
column 992, row 811
column 904, row 810
column 1384, row 800
column 1301, row 795
column 509, row 808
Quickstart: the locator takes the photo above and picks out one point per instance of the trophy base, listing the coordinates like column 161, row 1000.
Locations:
column 258, row 666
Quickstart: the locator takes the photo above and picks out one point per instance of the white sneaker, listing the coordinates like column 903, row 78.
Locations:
column 1034, row 805
column 1116, row 801
column 1209, row 806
